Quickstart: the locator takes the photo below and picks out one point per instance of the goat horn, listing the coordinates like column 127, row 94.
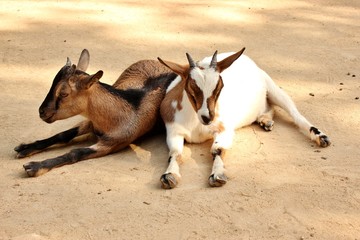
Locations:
column 191, row 61
column 213, row 62
column 68, row 62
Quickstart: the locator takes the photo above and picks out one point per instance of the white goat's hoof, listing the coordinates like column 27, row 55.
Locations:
column 168, row 181
column 267, row 126
column 320, row 138
column 217, row 180
column 323, row 141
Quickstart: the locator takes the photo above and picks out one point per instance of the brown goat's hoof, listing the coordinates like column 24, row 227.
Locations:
column 168, row 181
column 25, row 150
column 22, row 150
column 34, row 169
column 218, row 180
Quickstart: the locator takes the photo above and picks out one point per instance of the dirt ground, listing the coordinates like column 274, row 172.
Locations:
column 280, row 185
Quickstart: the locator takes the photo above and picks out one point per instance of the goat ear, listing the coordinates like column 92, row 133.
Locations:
column 89, row 81
column 177, row 68
column 83, row 60
column 225, row 63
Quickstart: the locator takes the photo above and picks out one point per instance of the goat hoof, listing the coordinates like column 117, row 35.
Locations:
column 22, row 150
column 168, row 181
column 267, row 126
column 25, row 150
column 324, row 141
column 217, row 180
column 34, row 169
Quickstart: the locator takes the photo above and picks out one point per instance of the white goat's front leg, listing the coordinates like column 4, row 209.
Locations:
column 171, row 177
column 222, row 141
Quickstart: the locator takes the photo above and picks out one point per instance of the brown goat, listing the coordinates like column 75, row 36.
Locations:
column 117, row 115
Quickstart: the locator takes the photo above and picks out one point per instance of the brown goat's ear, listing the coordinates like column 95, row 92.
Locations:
column 90, row 80
column 225, row 63
column 177, row 68
column 83, row 60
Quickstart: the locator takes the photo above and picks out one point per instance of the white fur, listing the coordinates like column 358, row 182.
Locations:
column 242, row 101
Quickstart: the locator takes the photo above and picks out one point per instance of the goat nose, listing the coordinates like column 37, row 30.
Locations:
column 41, row 112
column 205, row 119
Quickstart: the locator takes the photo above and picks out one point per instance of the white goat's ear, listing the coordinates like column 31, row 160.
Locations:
column 177, row 68
column 88, row 82
column 225, row 63
column 83, row 60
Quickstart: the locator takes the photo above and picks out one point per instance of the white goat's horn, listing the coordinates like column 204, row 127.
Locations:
column 213, row 62
column 191, row 61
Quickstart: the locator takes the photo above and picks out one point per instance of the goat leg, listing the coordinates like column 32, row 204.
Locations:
column 35, row 169
column 24, row 150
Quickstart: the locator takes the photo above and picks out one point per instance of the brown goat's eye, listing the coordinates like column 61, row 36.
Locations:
column 64, row 94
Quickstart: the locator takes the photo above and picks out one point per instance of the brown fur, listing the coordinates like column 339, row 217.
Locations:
column 175, row 94
column 115, row 121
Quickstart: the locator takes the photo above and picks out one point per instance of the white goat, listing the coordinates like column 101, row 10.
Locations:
column 195, row 111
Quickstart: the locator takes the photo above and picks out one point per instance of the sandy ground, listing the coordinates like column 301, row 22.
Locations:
column 281, row 186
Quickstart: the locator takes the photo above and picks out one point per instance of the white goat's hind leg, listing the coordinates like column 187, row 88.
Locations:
column 265, row 120
column 222, row 141
column 171, row 177
column 280, row 98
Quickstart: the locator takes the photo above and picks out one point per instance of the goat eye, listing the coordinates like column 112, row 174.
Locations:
column 64, row 94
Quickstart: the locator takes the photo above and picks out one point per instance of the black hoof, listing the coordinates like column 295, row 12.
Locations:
column 168, row 181
column 324, row 141
column 218, row 180
column 34, row 169
column 24, row 150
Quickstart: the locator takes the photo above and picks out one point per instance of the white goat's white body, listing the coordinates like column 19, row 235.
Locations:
column 241, row 101
column 243, row 97
column 247, row 96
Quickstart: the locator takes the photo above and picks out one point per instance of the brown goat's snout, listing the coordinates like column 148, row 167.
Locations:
column 46, row 115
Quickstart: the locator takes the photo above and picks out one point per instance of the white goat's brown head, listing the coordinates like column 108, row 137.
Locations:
column 66, row 97
column 203, row 83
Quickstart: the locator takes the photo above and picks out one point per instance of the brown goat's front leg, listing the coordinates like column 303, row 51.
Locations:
column 35, row 169
column 24, row 150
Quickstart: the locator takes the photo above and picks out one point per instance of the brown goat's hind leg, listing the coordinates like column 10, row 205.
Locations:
column 35, row 169
column 24, row 150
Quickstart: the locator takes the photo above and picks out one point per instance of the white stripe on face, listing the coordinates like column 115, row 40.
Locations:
column 207, row 80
